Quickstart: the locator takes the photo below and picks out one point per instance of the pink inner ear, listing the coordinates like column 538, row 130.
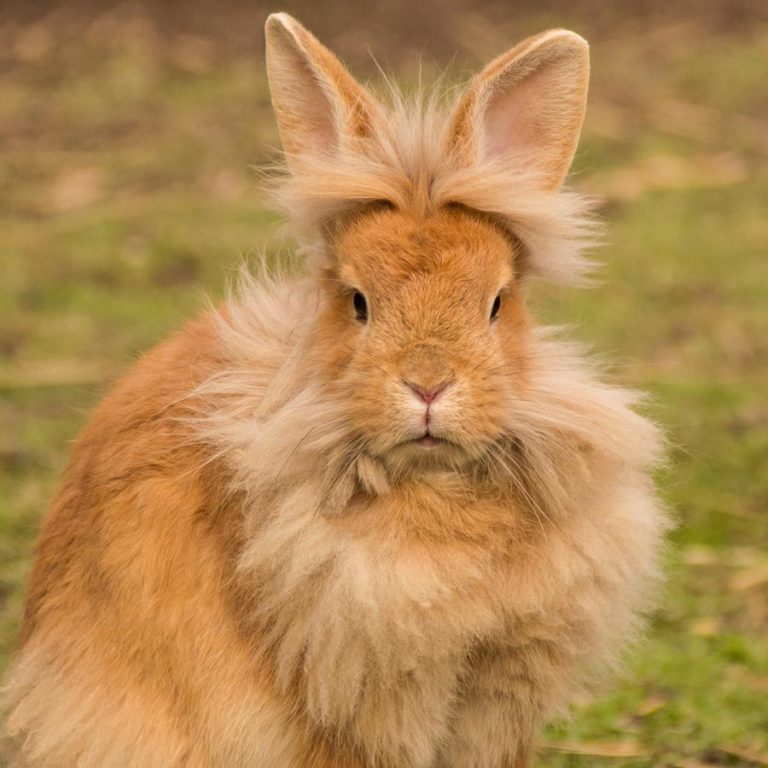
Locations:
column 532, row 116
column 515, row 121
column 313, row 116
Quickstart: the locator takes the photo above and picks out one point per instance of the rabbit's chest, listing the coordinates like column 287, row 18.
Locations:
column 410, row 591
column 391, row 641
column 407, row 641
column 421, row 646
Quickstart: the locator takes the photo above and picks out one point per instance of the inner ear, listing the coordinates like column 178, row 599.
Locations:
column 311, row 122
column 319, row 106
column 526, row 108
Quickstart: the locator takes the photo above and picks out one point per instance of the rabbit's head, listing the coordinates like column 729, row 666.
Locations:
column 427, row 221
column 427, row 331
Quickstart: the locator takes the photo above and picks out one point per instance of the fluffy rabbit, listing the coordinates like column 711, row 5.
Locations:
column 371, row 516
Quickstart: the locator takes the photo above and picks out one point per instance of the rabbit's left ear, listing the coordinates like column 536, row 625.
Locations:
column 526, row 108
column 319, row 106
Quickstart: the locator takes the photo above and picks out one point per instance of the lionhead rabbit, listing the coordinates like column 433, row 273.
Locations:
column 371, row 515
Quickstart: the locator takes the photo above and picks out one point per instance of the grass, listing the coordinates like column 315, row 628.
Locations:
column 125, row 196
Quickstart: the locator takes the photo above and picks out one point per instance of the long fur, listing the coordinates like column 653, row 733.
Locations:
column 403, row 160
column 237, row 573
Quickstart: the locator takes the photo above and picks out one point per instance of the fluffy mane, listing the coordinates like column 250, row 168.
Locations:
column 268, row 409
column 343, row 619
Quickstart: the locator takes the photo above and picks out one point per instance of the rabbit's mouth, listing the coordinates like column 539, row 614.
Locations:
column 429, row 441
column 426, row 451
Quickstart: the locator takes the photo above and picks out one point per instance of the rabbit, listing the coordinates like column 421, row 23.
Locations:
column 366, row 513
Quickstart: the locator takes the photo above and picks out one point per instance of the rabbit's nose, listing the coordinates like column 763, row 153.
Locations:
column 427, row 394
column 425, row 370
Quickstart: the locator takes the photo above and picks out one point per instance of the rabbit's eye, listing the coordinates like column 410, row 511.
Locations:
column 496, row 307
column 361, row 307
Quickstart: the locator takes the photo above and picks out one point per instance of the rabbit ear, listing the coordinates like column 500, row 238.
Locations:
column 319, row 106
column 527, row 106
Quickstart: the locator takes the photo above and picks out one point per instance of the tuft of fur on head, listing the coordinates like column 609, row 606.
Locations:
column 406, row 160
column 502, row 148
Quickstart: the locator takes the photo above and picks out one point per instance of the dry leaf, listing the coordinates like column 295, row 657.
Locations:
column 699, row 555
column 691, row 764
column 650, row 705
column 745, row 556
column 76, row 189
column 706, row 627
column 597, row 748
column 670, row 172
column 55, row 373
column 757, row 682
column 750, row 578
column 746, row 755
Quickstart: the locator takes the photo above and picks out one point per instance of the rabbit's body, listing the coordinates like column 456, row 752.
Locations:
column 258, row 559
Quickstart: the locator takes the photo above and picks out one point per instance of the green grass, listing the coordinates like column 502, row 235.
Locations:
column 126, row 196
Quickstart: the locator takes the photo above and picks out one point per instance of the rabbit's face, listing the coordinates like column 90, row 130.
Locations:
column 426, row 332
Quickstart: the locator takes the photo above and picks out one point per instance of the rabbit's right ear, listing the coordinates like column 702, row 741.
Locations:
column 319, row 106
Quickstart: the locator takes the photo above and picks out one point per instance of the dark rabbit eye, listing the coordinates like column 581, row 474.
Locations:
column 361, row 307
column 496, row 307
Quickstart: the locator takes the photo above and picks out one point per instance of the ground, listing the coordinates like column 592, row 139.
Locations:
column 128, row 193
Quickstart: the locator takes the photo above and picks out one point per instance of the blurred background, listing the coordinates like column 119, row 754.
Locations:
column 129, row 134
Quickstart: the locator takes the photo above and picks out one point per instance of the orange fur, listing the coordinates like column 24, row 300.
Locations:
column 256, row 558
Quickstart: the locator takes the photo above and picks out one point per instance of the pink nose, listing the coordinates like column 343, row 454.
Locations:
column 427, row 394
